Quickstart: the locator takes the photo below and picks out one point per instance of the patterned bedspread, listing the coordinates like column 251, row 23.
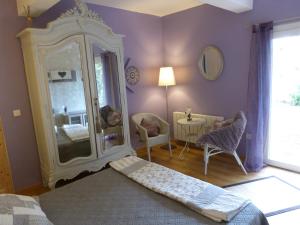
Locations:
column 109, row 197
column 204, row 198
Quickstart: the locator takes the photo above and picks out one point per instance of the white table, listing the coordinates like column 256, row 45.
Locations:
column 187, row 125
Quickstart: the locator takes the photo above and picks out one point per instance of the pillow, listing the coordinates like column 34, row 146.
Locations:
column 103, row 123
column 21, row 210
column 110, row 117
column 220, row 124
column 114, row 118
column 152, row 126
column 104, row 111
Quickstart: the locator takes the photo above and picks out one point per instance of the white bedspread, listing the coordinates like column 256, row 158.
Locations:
column 76, row 132
column 205, row 198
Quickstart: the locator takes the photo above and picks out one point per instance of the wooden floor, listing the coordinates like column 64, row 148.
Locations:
column 222, row 169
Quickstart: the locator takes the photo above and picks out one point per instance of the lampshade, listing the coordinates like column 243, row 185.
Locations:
column 166, row 76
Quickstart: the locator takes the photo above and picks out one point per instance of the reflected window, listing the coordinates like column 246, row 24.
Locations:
column 110, row 121
column 100, row 81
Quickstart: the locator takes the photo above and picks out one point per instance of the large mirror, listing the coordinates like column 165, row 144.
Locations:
column 109, row 121
column 69, row 108
column 211, row 63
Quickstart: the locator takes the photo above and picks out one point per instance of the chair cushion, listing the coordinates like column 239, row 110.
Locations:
column 220, row 124
column 152, row 126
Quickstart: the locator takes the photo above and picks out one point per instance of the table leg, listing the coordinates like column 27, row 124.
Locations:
column 186, row 146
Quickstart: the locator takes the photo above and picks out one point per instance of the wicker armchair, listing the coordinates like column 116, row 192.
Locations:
column 162, row 138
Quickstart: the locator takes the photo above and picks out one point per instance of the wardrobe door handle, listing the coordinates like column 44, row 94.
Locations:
column 98, row 126
column 98, row 123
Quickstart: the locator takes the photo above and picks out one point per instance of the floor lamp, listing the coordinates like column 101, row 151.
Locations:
column 167, row 78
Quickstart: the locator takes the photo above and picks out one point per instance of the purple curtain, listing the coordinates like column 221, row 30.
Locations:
column 112, row 80
column 258, row 102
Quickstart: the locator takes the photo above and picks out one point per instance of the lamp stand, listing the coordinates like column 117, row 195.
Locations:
column 166, row 147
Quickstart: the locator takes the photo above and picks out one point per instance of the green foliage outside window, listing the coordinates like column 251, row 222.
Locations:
column 296, row 98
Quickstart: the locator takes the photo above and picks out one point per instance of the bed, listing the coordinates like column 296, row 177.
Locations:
column 69, row 149
column 110, row 198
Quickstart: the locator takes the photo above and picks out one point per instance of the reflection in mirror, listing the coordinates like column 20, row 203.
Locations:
column 68, row 101
column 211, row 63
column 109, row 119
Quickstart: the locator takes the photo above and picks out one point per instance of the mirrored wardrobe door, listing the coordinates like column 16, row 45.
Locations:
column 107, row 95
column 70, row 105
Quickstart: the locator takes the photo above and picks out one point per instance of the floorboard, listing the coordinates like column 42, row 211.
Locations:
column 222, row 170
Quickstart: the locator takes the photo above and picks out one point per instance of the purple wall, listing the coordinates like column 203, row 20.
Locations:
column 19, row 131
column 150, row 42
column 186, row 33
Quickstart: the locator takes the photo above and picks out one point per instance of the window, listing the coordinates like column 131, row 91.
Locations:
column 100, row 79
column 284, row 139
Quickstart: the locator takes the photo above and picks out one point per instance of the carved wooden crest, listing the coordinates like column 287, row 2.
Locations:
column 82, row 10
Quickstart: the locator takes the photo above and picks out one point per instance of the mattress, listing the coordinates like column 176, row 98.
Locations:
column 110, row 198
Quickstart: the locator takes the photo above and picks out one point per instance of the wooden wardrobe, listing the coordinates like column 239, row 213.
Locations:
column 76, row 81
column 6, row 183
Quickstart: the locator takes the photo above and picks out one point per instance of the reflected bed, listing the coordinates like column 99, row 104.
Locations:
column 69, row 149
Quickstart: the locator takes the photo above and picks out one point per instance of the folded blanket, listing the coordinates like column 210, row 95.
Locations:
column 76, row 132
column 206, row 199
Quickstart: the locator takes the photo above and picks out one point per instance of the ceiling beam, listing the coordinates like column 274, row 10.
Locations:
column 237, row 6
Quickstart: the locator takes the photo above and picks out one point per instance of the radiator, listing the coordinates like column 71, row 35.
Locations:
column 180, row 132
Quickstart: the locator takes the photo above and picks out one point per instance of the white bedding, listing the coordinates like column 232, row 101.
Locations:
column 205, row 198
column 76, row 132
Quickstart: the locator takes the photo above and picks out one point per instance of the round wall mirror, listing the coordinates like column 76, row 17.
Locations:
column 211, row 63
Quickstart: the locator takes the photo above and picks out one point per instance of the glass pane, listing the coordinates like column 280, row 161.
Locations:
column 284, row 140
column 109, row 99
column 68, row 101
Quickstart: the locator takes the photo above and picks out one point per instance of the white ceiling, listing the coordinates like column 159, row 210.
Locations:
column 237, row 6
column 152, row 7
column 166, row 7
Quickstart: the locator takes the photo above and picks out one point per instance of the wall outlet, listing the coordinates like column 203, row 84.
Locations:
column 17, row 112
